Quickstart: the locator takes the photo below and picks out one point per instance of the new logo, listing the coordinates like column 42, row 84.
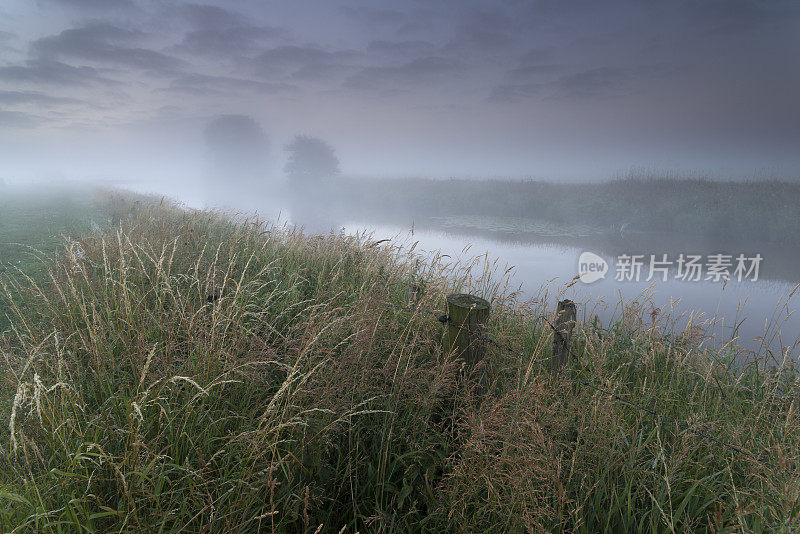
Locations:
column 591, row 267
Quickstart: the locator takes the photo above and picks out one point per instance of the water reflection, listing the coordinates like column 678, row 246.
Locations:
column 753, row 314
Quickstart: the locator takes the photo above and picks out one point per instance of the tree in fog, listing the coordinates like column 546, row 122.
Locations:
column 237, row 147
column 310, row 158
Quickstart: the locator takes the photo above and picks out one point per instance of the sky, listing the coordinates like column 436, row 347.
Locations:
column 562, row 90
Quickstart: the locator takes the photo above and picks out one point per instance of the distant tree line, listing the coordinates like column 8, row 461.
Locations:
column 757, row 210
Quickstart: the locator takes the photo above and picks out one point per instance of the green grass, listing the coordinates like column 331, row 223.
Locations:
column 39, row 218
column 189, row 373
column 37, row 221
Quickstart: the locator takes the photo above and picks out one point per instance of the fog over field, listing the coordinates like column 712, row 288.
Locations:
column 478, row 120
column 566, row 91
column 399, row 266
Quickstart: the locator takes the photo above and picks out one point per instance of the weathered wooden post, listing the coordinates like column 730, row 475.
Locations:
column 566, row 318
column 466, row 331
column 413, row 296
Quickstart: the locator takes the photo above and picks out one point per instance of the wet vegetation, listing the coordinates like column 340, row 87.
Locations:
column 35, row 223
column 188, row 371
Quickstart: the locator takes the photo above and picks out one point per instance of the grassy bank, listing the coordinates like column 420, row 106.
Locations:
column 36, row 222
column 185, row 372
column 39, row 218
column 750, row 211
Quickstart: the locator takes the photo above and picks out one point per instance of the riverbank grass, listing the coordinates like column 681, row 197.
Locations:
column 180, row 371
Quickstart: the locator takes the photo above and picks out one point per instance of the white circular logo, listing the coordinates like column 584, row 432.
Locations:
column 591, row 267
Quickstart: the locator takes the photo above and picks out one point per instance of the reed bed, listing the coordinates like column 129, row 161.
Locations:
column 753, row 211
column 202, row 372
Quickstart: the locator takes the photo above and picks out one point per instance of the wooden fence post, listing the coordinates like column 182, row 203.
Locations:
column 413, row 296
column 566, row 317
column 466, row 331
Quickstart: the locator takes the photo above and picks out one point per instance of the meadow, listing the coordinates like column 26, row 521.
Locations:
column 35, row 223
column 39, row 219
column 179, row 370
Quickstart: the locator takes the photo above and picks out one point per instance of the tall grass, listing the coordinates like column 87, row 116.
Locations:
column 189, row 371
column 36, row 220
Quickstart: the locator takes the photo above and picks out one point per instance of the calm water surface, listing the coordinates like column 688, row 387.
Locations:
column 758, row 309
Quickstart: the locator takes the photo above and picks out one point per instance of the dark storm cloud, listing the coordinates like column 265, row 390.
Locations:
column 31, row 97
column 418, row 73
column 204, row 85
column 107, row 44
column 48, row 71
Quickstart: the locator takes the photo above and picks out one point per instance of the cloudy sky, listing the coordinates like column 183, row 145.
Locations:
column 563, row 89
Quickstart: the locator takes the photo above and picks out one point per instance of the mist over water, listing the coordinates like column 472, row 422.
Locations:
column 756, row 315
